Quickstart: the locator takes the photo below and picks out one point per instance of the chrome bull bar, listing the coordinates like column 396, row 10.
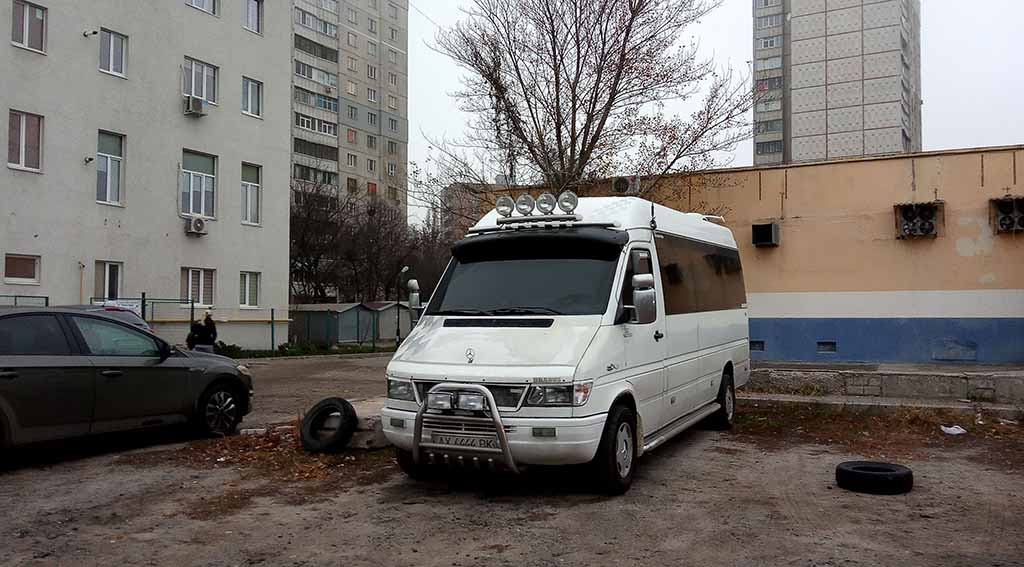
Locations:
column 417, row 438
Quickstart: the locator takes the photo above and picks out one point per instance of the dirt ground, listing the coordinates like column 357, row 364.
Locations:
column 762, row 494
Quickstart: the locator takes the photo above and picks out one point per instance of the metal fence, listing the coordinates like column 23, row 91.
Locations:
column 25, row 300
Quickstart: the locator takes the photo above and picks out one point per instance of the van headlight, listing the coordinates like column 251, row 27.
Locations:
column 401, row 390
column 567, row 395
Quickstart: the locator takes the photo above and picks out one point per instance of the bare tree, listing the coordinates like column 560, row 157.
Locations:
column 319, row 224
column 566, row 91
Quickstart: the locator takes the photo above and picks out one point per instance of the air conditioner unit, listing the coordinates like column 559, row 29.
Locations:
column 195, row 226
column 626, row 185
column 1008, row 214
column 195, row 106
column 328, row 90
column 916, row 220
column 765, row 234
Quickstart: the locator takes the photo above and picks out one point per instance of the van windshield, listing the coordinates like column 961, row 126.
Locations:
column 551, row 276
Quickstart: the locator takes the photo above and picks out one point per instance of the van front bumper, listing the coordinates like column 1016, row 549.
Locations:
column 575, row 440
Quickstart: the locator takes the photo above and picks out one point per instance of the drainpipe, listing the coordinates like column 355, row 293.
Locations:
column 81, row 283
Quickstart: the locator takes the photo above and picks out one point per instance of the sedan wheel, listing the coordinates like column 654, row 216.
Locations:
column 221, row 412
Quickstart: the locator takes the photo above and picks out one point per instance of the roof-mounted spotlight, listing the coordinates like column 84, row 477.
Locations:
column 525, row 204
column 567, row 201
column 505, row 205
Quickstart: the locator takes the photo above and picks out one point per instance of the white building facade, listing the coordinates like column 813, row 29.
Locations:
column 148, row 152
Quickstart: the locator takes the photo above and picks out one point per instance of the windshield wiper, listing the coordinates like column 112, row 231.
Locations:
column 526, row 311
column 460, row 312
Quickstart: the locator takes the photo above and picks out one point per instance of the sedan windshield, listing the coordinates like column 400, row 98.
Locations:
column 548, row 277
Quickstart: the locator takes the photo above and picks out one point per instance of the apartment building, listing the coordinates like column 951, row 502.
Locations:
column 148, row 153
column 836, row 79
column 350, row 97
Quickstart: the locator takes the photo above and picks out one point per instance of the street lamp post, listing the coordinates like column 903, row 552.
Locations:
column 398, row 307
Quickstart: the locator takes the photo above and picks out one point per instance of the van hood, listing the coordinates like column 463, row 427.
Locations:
column 468, row 343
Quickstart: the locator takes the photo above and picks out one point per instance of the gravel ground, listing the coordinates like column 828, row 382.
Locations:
column 762, row 494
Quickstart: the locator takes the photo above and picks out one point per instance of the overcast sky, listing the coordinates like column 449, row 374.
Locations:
column 971, row 70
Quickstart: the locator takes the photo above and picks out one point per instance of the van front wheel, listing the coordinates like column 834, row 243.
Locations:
column 723, row 418
column 615, row 461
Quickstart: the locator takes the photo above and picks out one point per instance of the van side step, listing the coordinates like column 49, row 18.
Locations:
column 683, row 424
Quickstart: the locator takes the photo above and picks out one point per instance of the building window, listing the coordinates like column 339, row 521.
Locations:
column 371, row 165
column 770, row 63
column 371, row 95
column 393, row 79
column 392, row 147
column 769, row 105
column 197, row 286
column 373, row 25
column 393, row 124
column 329, row 5
column 393, row 34
column 350, row 87
column 21, row 270
column 371, row 118
column 28, row 26
column 353, row 16
column 371, row 72
column 317, row 100
column 108, row 279
column 251, row 176
column 371, row 49
column 393, row 193
column 315, row 49
column 254, row 15
column 392, row 11
column 766, row 126
column 252, row 97
column 769, row 84
column 352, row 184
column 352, row 136
column 353, row 161
column 769, row 42
column 353, row 40
column 371, row 188
column 313, row 175
column 325, row 127
column 112, row 52
column 198, row 184
column 208, row 6
column 353, row 113
column 769, row 147
column 304, row 18
column 109, row 156
column 769, row 21
column 392, row 101
column 768, row 3
column 371, row 142
column 313, row 149
column 25, row 141
column 200, row 80
column 392, row 56
column 352, row 64
column 249, row 289
column 392, row 169
column 303, row 121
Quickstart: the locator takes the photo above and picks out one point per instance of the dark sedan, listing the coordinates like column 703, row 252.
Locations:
column 67, row 373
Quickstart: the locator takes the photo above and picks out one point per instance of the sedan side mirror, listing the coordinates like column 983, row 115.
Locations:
column 164, row 349
column 645, row 299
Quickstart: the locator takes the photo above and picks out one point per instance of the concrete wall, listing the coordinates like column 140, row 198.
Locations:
column 54, row 214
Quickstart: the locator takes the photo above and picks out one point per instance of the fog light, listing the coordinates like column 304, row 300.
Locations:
column 471, row 402
column 546, row 203
column 543, row 431
column 525, row 204
column 439, row 400
column 397, row 423
column 505, row 205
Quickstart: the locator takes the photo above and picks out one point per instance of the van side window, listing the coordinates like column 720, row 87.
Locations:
column 699, row 276
column 639, row 263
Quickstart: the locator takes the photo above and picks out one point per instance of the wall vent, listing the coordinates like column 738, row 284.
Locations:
column 828, row 346
column 1007, row 214
column 919, row 220
column 765, row 234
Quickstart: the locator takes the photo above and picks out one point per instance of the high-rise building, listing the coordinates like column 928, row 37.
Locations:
column 148, row 155
column 350, row 97
column 836, row 78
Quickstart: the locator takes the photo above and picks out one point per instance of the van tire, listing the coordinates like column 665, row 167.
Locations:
column 409, row 466
column 722, row 419
column 615, row 462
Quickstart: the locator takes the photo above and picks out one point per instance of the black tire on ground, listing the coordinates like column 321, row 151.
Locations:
column 328, row 426
column 409, row 466
column 615, row 461
column 219, row 410
column 874, row 477
column 723, row 418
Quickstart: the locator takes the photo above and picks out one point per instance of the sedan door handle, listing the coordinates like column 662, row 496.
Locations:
column 658, row 335
column 112, row 373
column 8, row 375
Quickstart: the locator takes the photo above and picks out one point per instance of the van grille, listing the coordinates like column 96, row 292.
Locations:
column 463, row 426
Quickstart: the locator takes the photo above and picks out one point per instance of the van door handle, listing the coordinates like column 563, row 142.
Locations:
column 8, row 375
column 658, row 335
column 112, row 373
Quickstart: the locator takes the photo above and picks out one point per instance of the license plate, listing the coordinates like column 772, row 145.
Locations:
column 465, row 441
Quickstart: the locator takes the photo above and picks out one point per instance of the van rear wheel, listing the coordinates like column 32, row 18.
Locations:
column 615, row 461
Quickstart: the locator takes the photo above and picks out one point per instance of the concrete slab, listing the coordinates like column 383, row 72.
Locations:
column 874, row 406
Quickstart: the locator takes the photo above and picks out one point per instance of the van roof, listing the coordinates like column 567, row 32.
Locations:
column 635, row 213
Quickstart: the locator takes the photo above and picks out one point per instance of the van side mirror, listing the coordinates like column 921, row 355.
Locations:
column 645, row 299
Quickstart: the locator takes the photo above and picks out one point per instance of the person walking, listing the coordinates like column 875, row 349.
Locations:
column 207, row 335
column 195, row 334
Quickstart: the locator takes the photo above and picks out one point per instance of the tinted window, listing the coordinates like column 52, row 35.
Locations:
column 106, row 338
column 698, row 276
column 32, row 335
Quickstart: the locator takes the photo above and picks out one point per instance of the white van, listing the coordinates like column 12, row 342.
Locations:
column 596, row 335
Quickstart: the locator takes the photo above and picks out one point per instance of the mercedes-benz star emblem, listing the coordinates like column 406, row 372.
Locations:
column 470, row 355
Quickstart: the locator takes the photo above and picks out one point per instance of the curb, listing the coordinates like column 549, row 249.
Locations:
column 875, row 406
column 317, row 356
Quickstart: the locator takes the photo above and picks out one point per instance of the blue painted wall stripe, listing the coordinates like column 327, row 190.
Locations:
column 990, row 340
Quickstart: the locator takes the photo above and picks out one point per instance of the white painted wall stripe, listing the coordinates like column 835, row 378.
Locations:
column 888, row 304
